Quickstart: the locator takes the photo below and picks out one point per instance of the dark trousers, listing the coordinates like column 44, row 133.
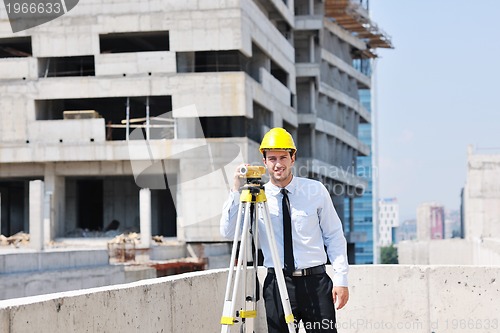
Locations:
column 311, row 301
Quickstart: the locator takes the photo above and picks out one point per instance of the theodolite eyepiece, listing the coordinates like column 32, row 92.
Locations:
column 251, row 171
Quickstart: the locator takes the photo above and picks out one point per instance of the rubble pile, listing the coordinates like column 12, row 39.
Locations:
column 132, row 238
column 158, row 239
column 135, row 238
column 21, row 238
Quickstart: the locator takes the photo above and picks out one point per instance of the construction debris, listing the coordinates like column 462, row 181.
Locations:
column 158, row 239
column 21, row 238
column 132, row 237
column 178, row 266
column 122, row 247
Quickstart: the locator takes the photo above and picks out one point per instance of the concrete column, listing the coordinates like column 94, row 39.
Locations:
column 312, row 135
column 54, row 217
column 277, row 119
column 312, row 56
column 145, row 216
column 312, row 93
column 47, row 216
column 36, row 197
column 189, row 128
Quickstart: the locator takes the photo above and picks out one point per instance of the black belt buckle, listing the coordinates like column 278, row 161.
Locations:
column 300, row 272
column 309, row 271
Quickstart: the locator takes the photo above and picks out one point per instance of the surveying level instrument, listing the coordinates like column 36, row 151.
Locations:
column 253, row 204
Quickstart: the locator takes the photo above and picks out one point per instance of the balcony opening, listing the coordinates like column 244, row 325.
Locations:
column 223, row 127
column 227, row 127
column 14, row 195
column 15, row 47
column 275, row 17
column 261, row 122
column 89, row 198
column 259, row 60
column 164, row 215
column 279, row 73
column 305, row 148
column 109, row 206
column 211, row 61
column 134, row 42
column 114, row 110
column 302, row 7
column 66, row 66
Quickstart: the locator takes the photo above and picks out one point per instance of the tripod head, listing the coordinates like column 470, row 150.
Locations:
column 253, row 176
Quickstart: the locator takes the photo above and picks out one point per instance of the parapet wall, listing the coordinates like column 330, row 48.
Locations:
column 455, row 251
column 392, row 298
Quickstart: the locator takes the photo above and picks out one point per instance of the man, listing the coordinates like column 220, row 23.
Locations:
column 304, row 222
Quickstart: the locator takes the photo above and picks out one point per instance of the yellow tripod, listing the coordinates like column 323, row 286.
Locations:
column 253, row 205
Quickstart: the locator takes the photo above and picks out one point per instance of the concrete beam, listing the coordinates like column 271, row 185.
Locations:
column 308, row 22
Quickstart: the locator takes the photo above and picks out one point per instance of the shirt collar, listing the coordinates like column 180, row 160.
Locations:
column 274, row 190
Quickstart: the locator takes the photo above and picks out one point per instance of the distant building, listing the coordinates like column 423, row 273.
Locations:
column 363, row 211
column 452, row 224
column 388, row 221
column 430, row 221
column 407, row 230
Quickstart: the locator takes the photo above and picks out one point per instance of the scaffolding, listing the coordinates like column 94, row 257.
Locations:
column 146, row 123
column 353, row 16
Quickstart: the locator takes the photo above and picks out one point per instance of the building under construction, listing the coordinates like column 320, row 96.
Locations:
column 132, row 116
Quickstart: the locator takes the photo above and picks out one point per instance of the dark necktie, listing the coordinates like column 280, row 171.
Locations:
column 287, row 233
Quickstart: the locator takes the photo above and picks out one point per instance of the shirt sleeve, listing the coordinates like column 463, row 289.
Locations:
column 228, row 218
column 333, row 237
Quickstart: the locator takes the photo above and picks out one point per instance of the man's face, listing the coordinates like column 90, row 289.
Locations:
column 279, row 165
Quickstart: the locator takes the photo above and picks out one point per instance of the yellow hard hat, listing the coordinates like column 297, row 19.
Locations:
column 277, row 138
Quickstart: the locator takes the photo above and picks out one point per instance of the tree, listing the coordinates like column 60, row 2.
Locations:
column 389, row 255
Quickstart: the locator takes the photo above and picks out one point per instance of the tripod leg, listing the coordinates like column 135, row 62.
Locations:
column 229, row 310
column 251, row 284
column 227, row 314
column 285, row 301
column 233, row 252
column 247, row 312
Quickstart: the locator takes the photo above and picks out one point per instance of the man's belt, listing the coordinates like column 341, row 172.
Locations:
column 302, row 272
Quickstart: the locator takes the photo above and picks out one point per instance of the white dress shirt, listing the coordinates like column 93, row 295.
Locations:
column 315, row 223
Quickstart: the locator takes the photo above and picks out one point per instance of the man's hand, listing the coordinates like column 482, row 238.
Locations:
column 238, row 180
column 340, row 296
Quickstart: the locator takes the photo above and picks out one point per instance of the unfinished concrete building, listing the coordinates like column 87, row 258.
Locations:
column 73, row 92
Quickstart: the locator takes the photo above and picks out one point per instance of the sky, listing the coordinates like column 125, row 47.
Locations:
column 438, row 91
